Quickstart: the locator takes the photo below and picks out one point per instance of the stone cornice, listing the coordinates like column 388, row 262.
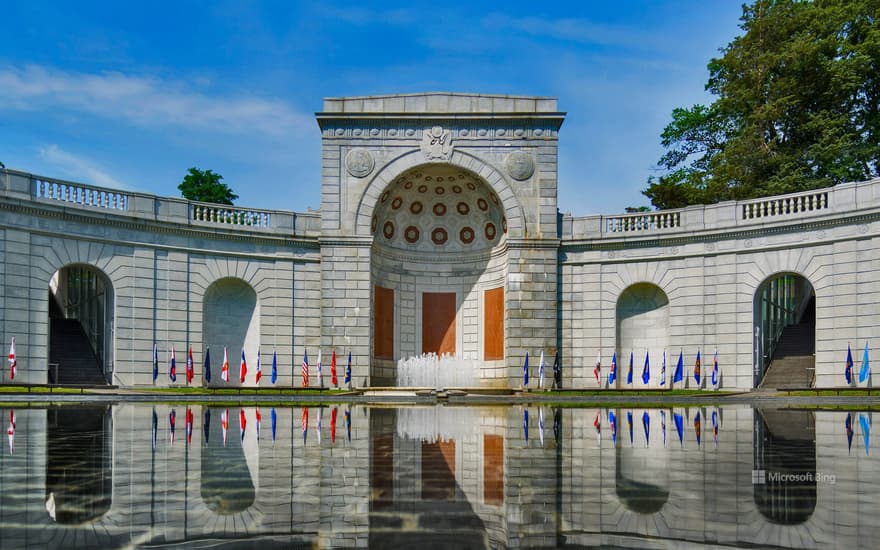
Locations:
column 113, row 220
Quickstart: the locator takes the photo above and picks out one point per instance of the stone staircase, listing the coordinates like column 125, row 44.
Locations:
column 71, row 350
column 794, row 359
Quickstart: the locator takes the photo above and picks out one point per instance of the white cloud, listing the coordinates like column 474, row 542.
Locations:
column 79, row 168
column 145, row 101
column 581, row 31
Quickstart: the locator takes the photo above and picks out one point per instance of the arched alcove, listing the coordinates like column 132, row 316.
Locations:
column 642, row 327
column 438, row 268
column 785, row 331
column 81, row 313
column 231, row 320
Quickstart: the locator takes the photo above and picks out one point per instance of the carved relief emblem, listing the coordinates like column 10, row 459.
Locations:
column 437, row 143
column 359, row 162
column 520, row 165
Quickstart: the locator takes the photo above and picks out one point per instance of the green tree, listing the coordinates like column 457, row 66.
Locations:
column 205, row 186
column 797, row 108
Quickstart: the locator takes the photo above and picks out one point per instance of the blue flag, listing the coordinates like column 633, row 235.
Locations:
column 526, row 371
column 697, row 370
column 646, row 423
column 629, row 424
column 612, row 421
column 629, row 373
column 847, row 371
column 715, row 370
column 155, row 361
column 274, row 379
column 866, row 429
column 678, row 375
column 348, row 370
column 206, row 427
column 208, row 365
column 646, row 370
column 679, row 427
column 698, row 427
column 849, row 432
column 612, row 372
column 865, row 370
column 526, row 424
column 663, row 370
column 272, row 414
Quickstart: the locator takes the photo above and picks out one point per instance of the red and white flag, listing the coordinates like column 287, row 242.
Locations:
column 224, row 371
column 224, row 423
column 10, row 432
column 242, row 422
column 172, row 421
column 318, row 427
column 598, row 370
column 305, row 369
column 333, row 369
column 12, row 363
column 259, row 372
column 305, row 424
column 242, row 371
column 259, row 424
column 190, row 371
column 189, row 426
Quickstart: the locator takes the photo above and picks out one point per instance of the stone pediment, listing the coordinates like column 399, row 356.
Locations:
column 440, row 103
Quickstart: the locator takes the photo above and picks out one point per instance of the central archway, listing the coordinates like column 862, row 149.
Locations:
column 438, row 271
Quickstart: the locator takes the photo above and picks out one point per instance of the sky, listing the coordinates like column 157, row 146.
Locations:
column 129, row 95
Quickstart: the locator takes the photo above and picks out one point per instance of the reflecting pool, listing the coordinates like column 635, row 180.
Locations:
column 143, row 475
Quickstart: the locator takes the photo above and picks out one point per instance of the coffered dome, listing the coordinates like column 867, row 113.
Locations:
column 439, row 208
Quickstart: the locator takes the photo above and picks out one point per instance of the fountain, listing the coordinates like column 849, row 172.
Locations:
column 430, row 370
column 434, row 424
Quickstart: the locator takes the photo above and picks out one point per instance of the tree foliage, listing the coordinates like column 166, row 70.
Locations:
column 205, row 186
column 796, row 109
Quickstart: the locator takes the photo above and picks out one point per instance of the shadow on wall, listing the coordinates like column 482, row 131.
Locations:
column 231, row 319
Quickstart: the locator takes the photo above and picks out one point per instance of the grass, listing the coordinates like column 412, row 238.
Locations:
column 637, row 393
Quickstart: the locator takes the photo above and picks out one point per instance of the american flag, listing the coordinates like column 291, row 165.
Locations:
column 305, row 369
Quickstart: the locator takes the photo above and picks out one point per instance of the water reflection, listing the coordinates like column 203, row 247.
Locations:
column 127, row 475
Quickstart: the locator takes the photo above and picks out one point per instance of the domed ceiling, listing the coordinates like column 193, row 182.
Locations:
column 439, row 208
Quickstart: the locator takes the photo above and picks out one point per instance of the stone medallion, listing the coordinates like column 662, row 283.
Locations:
column 437, row 143
column 520, row 165
column 359, row 162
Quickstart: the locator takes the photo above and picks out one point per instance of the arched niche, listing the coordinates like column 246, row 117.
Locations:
column 642, row 327
column 231, row 320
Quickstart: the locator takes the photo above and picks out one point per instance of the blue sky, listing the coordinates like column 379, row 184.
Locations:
column 130, row 95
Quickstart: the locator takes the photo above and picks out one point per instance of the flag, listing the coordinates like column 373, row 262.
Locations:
column 190, row 370
column 348, row 371
column 155, row 361
column 333, row 379
column 10, row 432
column 663, row 370
column 333, row 425
column 697, row 373
column 155, row 427
column 678, row 375
column 273, row 416
column 207, row 366
column 557, row 372
column 715, row 370
column 320, row 371
column 526, row 425
column 224, row 370
column 305, row 369
column 597, row 423
column 172, row 369
column 172, row 420
column 849, row 432
column 541, row 371
column 274, row 366
column 865, row 370
column 541, row 424
column 557, row 425
column 259, row 420
column 866, row 429
column 847, row 371
column 188, row 419
column 612, row 421
column 629, row 425
column 12, row 363
column 612, row 373
column 646, row 370
column 646, row 424
column 318, row 426
column 698, row 427
column 715, row 427
column 597, row 370
column 526, row 371
column 663, row 426
column 224, row 423
column 629, row 373
column 206, row 425
column 242, row 423
column 242, row 369
column 679, row 427
column 348, row 423
column 305, row 423
column 259, row 371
